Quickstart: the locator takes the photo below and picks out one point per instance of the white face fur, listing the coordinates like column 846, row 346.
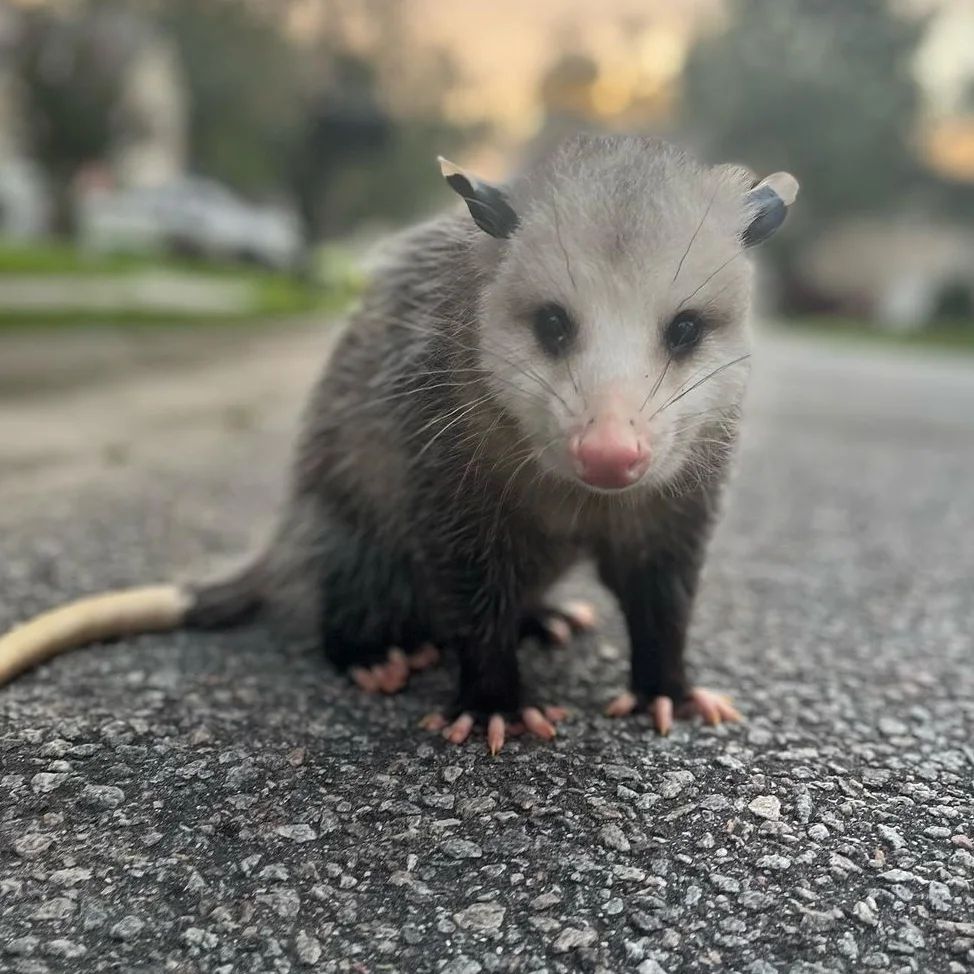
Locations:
column 618, row 292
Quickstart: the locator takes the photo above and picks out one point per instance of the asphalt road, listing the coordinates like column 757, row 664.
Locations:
column 223, row 803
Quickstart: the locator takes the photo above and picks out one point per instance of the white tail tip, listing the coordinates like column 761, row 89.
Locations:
column 155, row 608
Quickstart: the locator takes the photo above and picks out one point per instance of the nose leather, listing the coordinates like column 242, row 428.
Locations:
column 609, row 454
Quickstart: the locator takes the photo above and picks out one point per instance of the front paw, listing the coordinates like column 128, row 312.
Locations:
column 389, row 674
column 539, row 721
column 714, row 708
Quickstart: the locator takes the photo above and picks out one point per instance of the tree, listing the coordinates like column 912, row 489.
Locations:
column 247, row 87
column 67, row 70
column 823, row 88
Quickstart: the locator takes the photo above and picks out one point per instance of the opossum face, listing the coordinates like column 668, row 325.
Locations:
column 614, row 326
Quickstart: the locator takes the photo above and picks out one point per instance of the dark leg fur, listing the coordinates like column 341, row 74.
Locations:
column 656, row 590
column 369, row 602
column 656, row 595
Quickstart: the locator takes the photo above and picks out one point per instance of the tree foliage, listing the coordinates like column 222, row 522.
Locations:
column 823, row 88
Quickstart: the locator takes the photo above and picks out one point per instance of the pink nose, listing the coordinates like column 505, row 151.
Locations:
column 610, row 455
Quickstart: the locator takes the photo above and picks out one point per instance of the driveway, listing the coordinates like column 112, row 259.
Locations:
column 223, row 803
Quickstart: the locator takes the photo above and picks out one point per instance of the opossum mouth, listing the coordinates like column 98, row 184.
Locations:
column 609, row 491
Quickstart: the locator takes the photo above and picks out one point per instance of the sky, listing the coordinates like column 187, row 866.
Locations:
column 502, row 49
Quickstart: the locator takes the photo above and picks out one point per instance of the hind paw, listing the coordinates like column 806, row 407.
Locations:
column 391, row 675
column 539, row 721
column 714, row 708
column 555, row 626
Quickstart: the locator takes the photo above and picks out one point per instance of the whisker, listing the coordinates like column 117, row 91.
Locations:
column 561, row 243
column 699, row 382
column 657, row 384
column 707, row 280
column 706, row 213
column 458, row 414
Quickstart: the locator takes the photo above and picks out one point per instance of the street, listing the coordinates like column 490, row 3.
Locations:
column 225, row 803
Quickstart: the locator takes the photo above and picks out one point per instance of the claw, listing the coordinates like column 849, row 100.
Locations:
column 496, row 728
column 662, row 710
column 623, row 705
column 433, row 722
column 559, row 630
column 459, row 730
column 533, row 720
column 537, row 723
column 581, row 614
column 364, row 679
column 427, row 655
column 714, row 708
column 392, row 675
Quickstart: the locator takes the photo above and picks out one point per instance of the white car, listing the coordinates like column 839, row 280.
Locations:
column 192, row 216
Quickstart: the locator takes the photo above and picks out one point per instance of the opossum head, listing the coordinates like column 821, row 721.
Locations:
column 613, row 324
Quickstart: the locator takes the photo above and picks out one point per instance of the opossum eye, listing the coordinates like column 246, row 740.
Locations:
column 683, row 332
column 554, row 329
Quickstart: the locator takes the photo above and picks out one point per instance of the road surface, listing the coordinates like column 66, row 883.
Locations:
column 223, row 803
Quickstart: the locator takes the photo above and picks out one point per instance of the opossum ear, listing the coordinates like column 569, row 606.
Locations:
column 487, row 204
column 767, row 206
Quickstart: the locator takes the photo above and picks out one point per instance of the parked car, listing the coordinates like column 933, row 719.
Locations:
column 189, row 216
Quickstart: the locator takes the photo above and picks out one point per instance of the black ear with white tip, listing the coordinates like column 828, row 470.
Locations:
column 487, row 204
column 767, row 206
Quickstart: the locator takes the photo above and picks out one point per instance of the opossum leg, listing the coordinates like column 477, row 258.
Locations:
column 370, row 626
column 714, row 708
column 656, row 595
column 555, row 625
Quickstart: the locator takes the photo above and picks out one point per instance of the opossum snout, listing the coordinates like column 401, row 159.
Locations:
column 610, row 453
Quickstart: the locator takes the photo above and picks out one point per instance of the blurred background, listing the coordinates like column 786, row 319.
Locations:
column 195, row 160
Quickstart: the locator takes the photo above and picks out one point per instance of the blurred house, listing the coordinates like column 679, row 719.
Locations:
column 900, row 273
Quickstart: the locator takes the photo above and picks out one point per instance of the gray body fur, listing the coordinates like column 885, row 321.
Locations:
column 423, row 505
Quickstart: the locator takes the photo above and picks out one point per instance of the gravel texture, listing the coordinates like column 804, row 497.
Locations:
column 223, row 803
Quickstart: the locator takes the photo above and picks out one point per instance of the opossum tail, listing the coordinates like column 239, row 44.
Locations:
column 154, row 608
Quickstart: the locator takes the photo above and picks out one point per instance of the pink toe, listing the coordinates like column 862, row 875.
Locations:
column 426, row 656
column 459, row 730
column 364, row 679
column 537, row 723
column 559, row 630
column 706, row 706
column 397, row 670
column 624, row 704
column 496, row 728
column 433, row 722
column 662, row 711
column 555, row 714
column 582, row 614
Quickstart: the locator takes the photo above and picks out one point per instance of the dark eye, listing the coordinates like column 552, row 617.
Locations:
column 683, row 332
column 554, row 329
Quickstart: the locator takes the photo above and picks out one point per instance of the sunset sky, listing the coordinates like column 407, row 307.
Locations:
column 502, row 50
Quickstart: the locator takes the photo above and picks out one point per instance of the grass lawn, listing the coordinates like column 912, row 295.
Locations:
column 948, row 334
column 274, row 294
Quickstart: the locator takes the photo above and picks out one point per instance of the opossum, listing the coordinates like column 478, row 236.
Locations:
column 553, row 373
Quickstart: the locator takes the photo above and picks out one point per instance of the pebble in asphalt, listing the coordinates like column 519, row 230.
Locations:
column 222, row 803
